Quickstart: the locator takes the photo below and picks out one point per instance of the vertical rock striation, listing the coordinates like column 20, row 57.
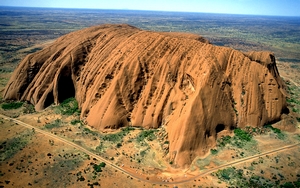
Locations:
column 124, row 76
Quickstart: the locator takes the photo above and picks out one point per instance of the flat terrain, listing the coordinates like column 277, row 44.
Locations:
column 49, row 142
column 29, row 158
column 74, row 149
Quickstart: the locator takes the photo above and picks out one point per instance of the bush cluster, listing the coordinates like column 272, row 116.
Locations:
column 278, row 132
column 118, row 137
column 56, row 123
column 12, row 105
column 69, row 107
column 236, row 178
column 98, row 168
column 146, row 134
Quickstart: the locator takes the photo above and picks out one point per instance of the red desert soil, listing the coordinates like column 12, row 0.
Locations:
column 124, row 76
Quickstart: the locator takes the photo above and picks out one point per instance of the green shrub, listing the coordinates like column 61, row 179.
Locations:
column 98, row 168
column 143, row 153
column 69, row 107
column 113, row 137
column 29, row 108
column 12, row 105
column 117, row 137
column 81, row 178
column 54, row 124
column 228, row 173
column 239, row 139
column 292, row 100
column 213, row 151
column 288, row 185
column 236, row 178
column 278, row 132
column 102, row 164
column 100, row 148
column 75, row 121
column 119, row 145
column 297, row 183
column 242, row 135
column 146, row 134
column 296, row 110
column 223, row 141
column 89, row 131
column 127, row 129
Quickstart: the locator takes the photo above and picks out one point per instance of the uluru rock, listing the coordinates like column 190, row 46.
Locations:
column 124, row 76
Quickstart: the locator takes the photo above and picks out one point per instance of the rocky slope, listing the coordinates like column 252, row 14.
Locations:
column 124, row 76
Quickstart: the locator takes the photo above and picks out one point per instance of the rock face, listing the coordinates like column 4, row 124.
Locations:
column 124, row 76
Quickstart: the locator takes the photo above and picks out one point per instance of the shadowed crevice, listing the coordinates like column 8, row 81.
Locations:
column 66, row 87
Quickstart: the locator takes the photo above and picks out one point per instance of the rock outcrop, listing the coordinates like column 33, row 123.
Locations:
column 123, row 76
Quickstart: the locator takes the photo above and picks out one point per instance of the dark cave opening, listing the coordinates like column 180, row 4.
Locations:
column 65, row 86
column 285, row 110
column 219, row 128
column 49, row 99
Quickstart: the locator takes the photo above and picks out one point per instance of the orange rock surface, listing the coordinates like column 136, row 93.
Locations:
column 124, row 76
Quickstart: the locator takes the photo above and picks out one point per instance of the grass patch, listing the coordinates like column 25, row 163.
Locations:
column 75, row 121
column 242, row 135
column 61, row 168
column 292, row 100
column 118, row 137
column 146, row 134
column 127, row 129
column 280, row 135
column 29, row 108
column 69, row 107
column 100, row 148
column 12, row 105
column 237, row 178
column 240, row 139
column 56, row 123
column 10, row 147
column 296, row 110
column 143, row 153
column 229, row 173
column 89, row 131
column 223, row 141
column 6, row 70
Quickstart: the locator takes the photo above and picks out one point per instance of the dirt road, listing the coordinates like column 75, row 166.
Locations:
column 142, row 177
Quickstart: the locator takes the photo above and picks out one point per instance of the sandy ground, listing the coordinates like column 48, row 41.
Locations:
column 45, row 162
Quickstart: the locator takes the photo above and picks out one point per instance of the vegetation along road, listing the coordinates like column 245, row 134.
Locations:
column 203, row 173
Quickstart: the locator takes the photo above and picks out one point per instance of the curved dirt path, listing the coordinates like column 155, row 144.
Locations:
column 291, row 80
column 143, row 178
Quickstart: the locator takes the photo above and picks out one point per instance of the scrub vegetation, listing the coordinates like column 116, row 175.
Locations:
column 49, row 163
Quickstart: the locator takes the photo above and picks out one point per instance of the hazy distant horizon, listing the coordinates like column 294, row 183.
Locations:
column 145, row 11
column 244, row 7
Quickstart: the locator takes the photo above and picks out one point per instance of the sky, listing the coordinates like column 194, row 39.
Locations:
column 253, row 7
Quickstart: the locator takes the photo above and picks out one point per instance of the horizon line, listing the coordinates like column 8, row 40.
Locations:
column 171, row 11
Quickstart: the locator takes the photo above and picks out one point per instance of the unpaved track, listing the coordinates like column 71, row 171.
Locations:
column 205, row 172
column 291, row 80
